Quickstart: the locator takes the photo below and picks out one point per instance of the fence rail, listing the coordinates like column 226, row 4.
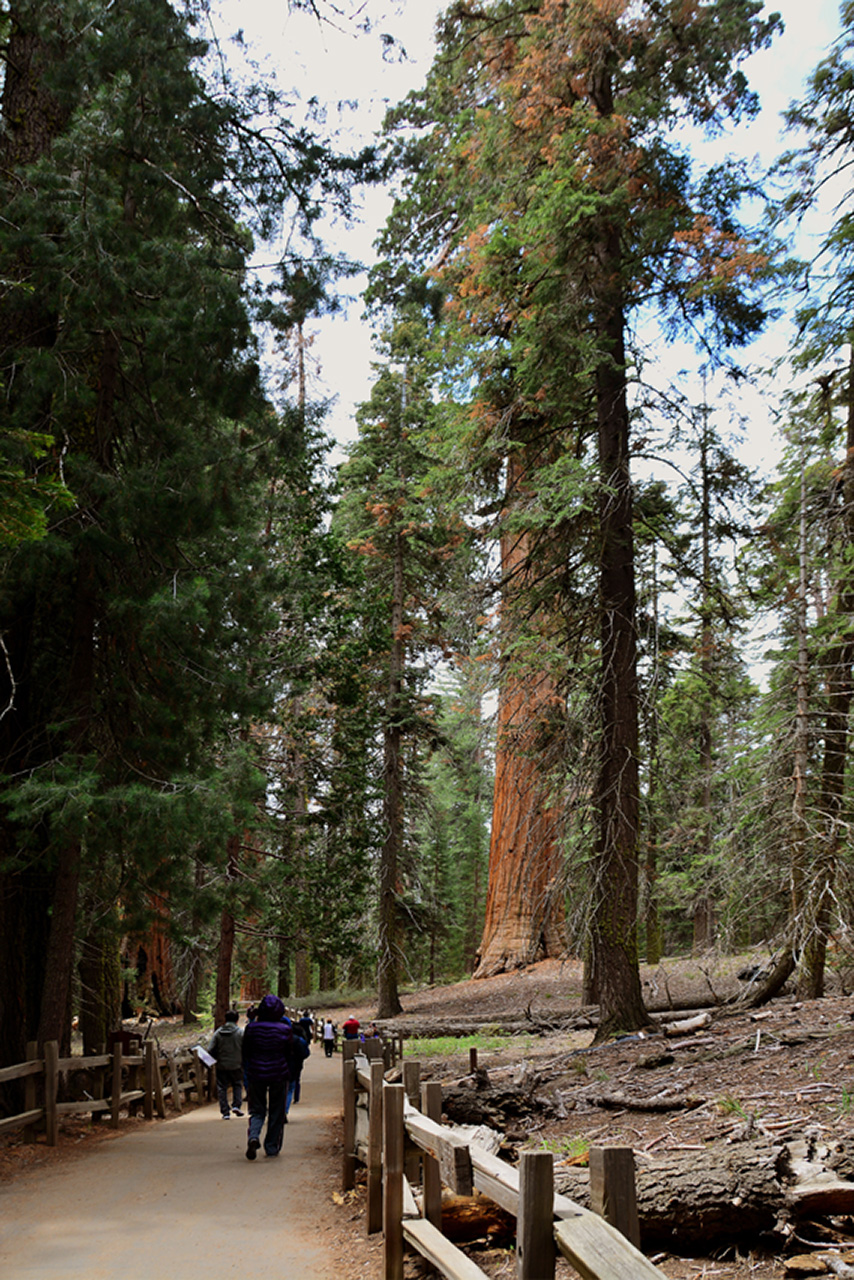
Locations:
column 394, row 1130
column 118, row 1081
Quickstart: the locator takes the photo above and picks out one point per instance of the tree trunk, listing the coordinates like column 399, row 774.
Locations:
column 30, row 965
column 615, row 973
column 652, row 922
column 720, row 1194
column 819, row 909
column 100, row 988
column 191, row 990
column 195, row 963
column 302, row 972
column 800, row 828
column 524, row 899
column 732, row 1191
column 225, row 955
column 389, row 946
column 283, row 967
column 703, row 907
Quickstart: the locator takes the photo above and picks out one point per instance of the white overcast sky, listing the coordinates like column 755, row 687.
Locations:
column 339, row 66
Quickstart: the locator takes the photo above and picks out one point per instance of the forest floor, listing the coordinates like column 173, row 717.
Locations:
column 778, row 1073
column 784, row 1072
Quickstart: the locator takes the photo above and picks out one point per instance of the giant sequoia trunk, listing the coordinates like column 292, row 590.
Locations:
column 524, row 902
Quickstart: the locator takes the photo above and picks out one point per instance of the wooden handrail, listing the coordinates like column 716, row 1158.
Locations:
column 595, row 1248
column 22, row 1069
column 109, row 1085
column 438, row 1250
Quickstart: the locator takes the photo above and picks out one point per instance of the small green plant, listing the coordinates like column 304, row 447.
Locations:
column 846, row 1102
column 601, row 1075
column 730, row 1106
column 579, row 1066
column 816, row 1069
column 566, row 1147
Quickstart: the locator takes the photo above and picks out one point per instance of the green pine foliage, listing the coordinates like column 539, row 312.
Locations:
column 138, row 590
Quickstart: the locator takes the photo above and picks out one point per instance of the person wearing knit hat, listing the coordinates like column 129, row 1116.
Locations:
column 267, row 1047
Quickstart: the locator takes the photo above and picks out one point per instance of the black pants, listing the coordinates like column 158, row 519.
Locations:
column 234, row 1078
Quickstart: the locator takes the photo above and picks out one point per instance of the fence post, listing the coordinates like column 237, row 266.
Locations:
column 98, row 1085
column 393, row 1182
column 199, row 1069
column 431, row 1105
column 176, row 1083
column 535, row 1245
column 412, row 1087
column 31, row 1090
column 116, row 1094
column 472, row 1059
column 375, row 1150
column 148, row 1080
column 153, row 1082
column 612, row 1189
column 348, row 1170
column 133, row 1080
column 51, row 1087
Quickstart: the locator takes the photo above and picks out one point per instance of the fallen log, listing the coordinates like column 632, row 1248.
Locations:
column 618, row 1100
column 466, row 1104
column 732, row 1190
column 584, row 1018
column 476, row 1217
column 688, row 1025
column 722, row 1193
column 820, row 1172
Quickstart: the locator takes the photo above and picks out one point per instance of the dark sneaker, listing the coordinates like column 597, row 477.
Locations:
column 238, row 1112
column 252, row 1148
column 226, row 1115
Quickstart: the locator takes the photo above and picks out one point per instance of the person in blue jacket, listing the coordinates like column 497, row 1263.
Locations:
column 267, row 1051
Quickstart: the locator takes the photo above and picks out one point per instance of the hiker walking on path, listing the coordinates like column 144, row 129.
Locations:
column 267, row 1046
column 226, row 1047
column 298, row 1055
column 328, row 1038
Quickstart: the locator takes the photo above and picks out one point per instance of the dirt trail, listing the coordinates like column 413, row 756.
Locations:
column 179, row 1197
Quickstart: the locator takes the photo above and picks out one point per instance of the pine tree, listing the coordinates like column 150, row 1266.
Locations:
column 126, row 341
column 552, row 201
column 408, row 546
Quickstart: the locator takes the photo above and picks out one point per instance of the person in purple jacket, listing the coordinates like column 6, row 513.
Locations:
column 267, row 1048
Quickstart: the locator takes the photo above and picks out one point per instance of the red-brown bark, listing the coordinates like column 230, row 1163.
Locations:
column 524, row 903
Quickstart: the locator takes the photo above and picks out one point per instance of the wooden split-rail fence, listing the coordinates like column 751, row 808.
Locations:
column 127, row 1078
column 395, row 1131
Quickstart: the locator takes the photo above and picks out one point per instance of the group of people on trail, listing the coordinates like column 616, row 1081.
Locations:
column 264, row 1060
column 352, row 1029
column 267, row 1055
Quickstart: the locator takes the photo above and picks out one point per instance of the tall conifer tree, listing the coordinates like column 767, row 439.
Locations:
column 125, row 341
column 547, row 194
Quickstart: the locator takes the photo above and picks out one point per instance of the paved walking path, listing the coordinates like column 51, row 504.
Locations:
column 180, row 1199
